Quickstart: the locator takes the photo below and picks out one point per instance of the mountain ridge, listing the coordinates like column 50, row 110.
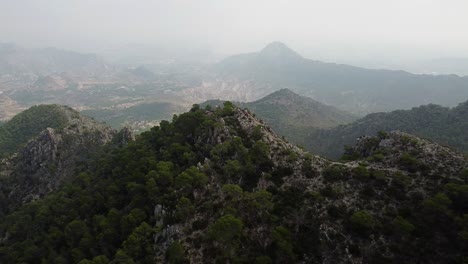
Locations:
column 218, row 185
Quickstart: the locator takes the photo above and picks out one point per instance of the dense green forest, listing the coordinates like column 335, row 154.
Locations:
column 447, row 126
column 216, row 186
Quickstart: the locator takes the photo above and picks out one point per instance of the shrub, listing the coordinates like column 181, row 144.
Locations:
column 175, row 254
column 401, row 179
column 334, row 172
column 263, row 260
column 464, row 175
column 361, row 172
column 378, row 157
column 362, row 221
column 257, row 133
column 382, row 134
column 439, row 203
column 282, row 241
column 226, row 230
column 228, row 108
column 350, row 154
column 409, row 162
column 402, row 225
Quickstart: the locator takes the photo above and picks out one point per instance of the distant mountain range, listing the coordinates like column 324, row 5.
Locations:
column 18, row 60
column 447, row 65
column 251, row 76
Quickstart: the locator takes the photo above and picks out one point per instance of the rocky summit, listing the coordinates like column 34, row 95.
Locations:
column 217, row 185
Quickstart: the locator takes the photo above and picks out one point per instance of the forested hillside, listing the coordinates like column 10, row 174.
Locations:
column 447, row 126
column 49, row 153
column 24, row 126
column 218, row 186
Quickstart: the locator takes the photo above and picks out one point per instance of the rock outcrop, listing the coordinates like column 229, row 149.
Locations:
column 47, row 161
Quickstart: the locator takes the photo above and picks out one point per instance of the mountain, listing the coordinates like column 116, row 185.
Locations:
column 15, row 133
column 43, row 146
column 444, row 125
column 289, row 114
column 219, row 186
column 447, row 65
column 17, row 61
column 284, row 109
column 249, row 77
column 85, row 81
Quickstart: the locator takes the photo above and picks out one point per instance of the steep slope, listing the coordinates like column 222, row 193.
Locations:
column 446, row 126
column 218, row 186
column 248, row 77
column 51, row 141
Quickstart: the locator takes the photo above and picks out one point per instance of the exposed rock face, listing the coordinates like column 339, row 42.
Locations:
column 50, row 159
column 431, row 157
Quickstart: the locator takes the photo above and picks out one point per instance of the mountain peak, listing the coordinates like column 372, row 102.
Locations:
column 289, row 95
column 279, row 50
column 285, row 110
column 285, row 92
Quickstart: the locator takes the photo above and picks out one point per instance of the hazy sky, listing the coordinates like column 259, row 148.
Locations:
column 335, row 29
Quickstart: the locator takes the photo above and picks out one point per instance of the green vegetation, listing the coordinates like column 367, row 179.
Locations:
column 178, row 194
column 28, row 124
column 362, row 221
column 107, row 212
column 361, row 172
column 334, row 172
column 402, row 225
column 446, row 126
column 175, row 254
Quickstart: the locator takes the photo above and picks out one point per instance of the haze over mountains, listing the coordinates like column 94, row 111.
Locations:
column 248, row 77
column 177, row 132
column 87, row 81
column 195, row 188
